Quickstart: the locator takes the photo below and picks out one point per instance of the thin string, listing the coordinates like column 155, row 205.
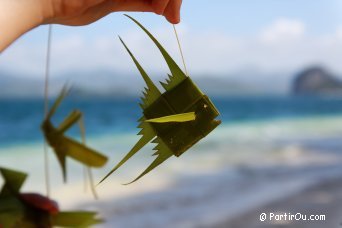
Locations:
column 180, row 49
column 85, row 179
column 90, row 174
column 46, row 109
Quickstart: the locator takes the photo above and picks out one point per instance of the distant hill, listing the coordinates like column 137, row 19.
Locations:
column 14, row 86
column 107, row 83
column 316, row 81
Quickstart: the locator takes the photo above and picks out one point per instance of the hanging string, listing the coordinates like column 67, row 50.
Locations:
column 87, row 171
column 85, row 179
column 46, row 109
column 180, row 49
column 87, row 168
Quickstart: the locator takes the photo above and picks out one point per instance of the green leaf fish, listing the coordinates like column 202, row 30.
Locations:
column 176, row 119
column 64, row 146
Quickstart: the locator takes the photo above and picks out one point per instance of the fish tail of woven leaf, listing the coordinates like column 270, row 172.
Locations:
column 147, row 134
column 163, row 153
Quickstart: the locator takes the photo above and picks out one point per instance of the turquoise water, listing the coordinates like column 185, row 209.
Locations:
column 20, row 118
column 257, row 132
column 265, row 147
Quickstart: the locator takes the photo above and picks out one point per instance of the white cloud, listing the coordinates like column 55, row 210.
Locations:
column 339, row 33
column 283, row 46
column 283, row 30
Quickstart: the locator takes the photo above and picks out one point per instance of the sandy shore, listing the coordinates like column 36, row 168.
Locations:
column 226, row 181
column 225, row 200
column 322, row 199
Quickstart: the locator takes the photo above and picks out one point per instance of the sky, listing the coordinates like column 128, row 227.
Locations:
column 220, row 37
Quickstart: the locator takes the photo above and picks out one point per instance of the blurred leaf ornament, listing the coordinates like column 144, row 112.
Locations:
column 64, row 146
column 34, row 210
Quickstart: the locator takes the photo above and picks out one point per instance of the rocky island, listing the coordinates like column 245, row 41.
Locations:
column 316, row 81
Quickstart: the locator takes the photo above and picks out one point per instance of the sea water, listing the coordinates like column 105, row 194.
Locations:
column 257, row 133
column 20, row 119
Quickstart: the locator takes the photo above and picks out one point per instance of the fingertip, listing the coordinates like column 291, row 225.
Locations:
column 172, row 12
column 173, row 19
column 176, row 21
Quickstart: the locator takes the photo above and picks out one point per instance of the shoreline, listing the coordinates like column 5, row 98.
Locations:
column 131, row 134
column 236, row 170
column 323, row 198
column 219, row 199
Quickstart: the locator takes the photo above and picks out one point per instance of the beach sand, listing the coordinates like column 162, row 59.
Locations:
column 322, row 199
column 227, row 180
column 234, row 198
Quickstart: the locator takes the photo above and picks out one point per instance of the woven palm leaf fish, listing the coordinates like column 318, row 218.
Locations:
column 34, row 210
column 176, row 119
column 64, row 146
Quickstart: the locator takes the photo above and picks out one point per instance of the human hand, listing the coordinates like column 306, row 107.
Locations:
column 82, row 12
column 20, row 16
